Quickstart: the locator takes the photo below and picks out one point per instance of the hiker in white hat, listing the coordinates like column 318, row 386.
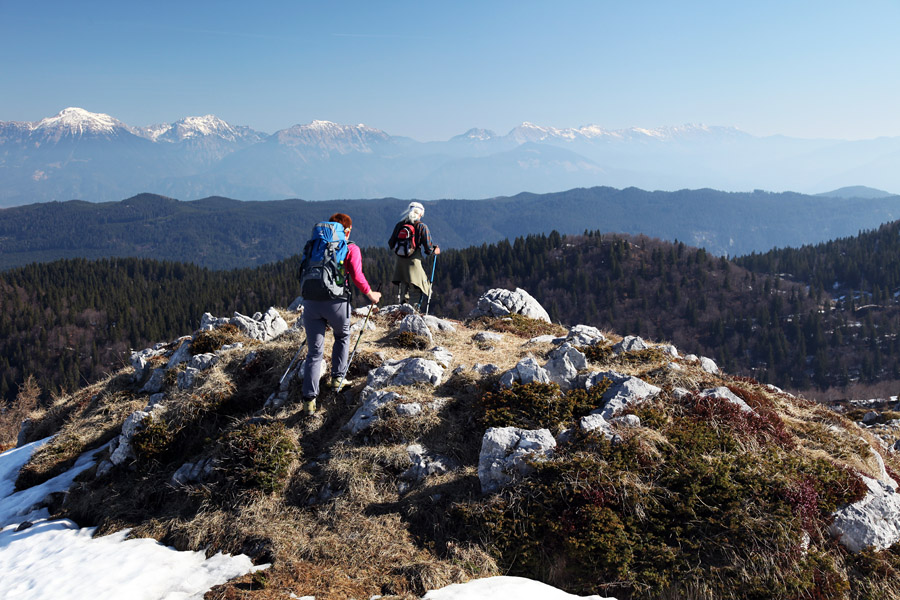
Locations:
column 411, row 241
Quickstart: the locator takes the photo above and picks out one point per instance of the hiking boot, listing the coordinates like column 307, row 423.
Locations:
column 309, row 406
column 336, row 384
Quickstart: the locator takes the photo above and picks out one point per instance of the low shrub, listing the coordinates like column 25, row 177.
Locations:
column 518, row 325
column 539, row 405
column 702, row 513
column 257, row 457
column 211, row 340
column 412, row 341
column 153, row 441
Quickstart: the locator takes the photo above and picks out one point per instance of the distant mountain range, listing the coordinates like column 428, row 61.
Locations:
column 95, row 157
column 222, row 233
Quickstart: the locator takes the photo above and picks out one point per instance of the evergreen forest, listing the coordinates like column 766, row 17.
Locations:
column 70, row 321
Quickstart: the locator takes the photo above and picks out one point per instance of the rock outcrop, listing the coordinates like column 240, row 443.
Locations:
column 505, row 452
column 500, row 303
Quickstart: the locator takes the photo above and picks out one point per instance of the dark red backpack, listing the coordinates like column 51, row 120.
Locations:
column 406, row 241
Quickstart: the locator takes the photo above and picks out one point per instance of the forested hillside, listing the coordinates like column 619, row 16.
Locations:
column 224, row 234
column 68, row 321
column 865, row 268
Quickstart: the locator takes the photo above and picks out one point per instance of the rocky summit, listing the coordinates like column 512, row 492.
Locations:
column 597, row 463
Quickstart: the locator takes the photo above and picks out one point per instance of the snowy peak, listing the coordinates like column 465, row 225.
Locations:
column 477, row 135
column 529, row 132
column 74, row 121
column 195, row 128
column 330, row 136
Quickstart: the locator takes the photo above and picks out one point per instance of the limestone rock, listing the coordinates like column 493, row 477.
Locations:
column 624, row 391
column 365, row 415
column 409, row 409
column 723, row 393
column 358, row 325
column 709, row 365
column 630, row 343
column 670, row 350
column 436, row 324
column 424, row 464
column 392, row 309
column 186, row 378
column 873, row 522
column 183, row 354
column 596, row 422
column 24, row 431
column 209, row 322
column 627, row 421
column 195, row 472
column 499, row 303
column 201, row 362
column 487, row 336
column 155, row 383
column 564, row 364
column 442, row 356
column 227, row 347
column 133, row 423
column 261, row 327
column 543, row 339
column 408, row 371
column 416, row 325
column 504, row 452
column 585, row 335
column 526, row 371
column 141, row 361
column 484, row 370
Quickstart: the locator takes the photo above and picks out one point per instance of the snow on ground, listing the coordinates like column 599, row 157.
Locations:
column 41, row 559
column 57, row 559
column 504, row 588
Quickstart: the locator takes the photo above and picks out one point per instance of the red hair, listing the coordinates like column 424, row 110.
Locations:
column 343, row 219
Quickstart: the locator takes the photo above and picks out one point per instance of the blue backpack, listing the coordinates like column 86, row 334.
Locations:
column 322, row 274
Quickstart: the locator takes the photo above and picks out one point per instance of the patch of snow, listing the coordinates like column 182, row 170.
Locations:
column 503, row 588
column 42, row 559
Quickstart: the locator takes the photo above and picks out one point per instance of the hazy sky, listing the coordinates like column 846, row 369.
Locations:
column 431, row 70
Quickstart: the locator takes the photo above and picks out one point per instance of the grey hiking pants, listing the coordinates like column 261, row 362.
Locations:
column 316, row 314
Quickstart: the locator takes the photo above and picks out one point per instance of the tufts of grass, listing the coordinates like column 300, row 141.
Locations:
column 700, row 510
column 214, row 339
column 152, row 443
column 412, row 341
column 518, row 325
column 257, row 457
column 539, row 405
column 51, row 459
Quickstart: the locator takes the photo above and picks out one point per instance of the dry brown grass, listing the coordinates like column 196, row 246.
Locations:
column 12, row 416
column 342, row 528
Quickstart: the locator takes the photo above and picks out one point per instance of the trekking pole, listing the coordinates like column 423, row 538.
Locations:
column 296, row 356
column 372, row 309
column 431, row 284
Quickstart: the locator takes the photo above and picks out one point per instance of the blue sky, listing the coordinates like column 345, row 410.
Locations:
column 432, row 70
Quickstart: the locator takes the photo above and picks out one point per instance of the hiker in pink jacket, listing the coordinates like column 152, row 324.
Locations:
column 317, row 314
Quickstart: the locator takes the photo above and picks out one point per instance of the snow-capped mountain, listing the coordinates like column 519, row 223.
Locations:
column 76, row 122
column 192, row 128
column 93, row 156
column 333, row 137
column 476, row 134
column 529, row 132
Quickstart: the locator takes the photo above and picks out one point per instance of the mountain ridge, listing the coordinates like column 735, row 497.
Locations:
column 229, row 233
column 97, row 158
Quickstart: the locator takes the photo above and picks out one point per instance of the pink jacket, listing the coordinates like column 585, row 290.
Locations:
column 354, row 270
